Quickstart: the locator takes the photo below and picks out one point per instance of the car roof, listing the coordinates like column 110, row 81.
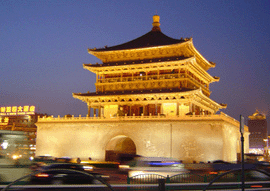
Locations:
column 63, row 165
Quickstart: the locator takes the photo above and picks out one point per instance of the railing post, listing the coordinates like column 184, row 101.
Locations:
column 128, row 182
column 204, row 178
column 161, row 184
column 168, row 179
column 238, row 177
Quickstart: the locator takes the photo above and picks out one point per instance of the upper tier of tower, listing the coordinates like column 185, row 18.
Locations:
column 152, row 45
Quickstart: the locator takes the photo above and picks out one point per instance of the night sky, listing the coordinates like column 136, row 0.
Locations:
column 43, row 45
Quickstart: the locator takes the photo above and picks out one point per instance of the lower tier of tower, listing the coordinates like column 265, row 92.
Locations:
column 199, row 139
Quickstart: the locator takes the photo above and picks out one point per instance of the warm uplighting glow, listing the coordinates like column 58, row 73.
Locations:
column 183, row 109
column 14, row 157
column 169, row 108
column 151, row 99
column 110, row 110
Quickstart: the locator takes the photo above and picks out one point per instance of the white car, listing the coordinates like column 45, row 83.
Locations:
column 155, row 165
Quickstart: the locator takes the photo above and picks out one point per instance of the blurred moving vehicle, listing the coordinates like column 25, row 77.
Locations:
column 66, row 173
column 154, row 165
column 220, row 162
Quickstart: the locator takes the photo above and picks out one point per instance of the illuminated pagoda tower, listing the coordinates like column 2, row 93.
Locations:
column 151, row 99
column 151, row 75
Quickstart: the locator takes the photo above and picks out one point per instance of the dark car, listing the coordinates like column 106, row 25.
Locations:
column 220, row 162
column 66, row 173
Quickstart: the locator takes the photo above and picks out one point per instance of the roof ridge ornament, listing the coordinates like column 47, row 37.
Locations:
column 156, row 23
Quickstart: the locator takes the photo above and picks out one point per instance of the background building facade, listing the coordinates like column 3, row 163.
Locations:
column 18, row 130
column 258, row 139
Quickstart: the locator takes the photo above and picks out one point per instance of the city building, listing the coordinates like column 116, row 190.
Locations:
column 258, row 138
column 18, row 130
column 152, row 98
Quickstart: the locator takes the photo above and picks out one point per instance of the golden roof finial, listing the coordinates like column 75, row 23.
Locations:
column 156, row 23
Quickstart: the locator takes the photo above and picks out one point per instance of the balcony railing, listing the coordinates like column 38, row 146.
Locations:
column 155, row 77
column 136, row 78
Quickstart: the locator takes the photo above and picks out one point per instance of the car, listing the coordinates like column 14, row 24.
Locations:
column 66, row 173
column 155, row 165
column 45, row 158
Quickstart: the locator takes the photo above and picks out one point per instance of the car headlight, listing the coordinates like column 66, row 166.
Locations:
column 124, row 166
column 88, row 168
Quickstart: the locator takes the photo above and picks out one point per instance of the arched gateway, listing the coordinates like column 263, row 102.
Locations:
column 119, row 146
column 152, row 98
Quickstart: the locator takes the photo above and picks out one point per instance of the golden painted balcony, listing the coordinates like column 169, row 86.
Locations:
column 115, row 84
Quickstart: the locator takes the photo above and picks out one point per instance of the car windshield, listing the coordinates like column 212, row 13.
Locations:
column 163, row 164
column 154, row 163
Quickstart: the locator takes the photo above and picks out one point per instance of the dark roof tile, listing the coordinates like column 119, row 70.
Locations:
column 155, row 91
column 150, row 39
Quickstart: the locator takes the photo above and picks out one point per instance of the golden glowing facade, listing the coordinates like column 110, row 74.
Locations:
column 152, row 99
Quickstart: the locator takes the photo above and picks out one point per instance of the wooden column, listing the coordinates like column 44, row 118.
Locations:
column 130, row 114
column 99, row 111
column 177, row 108
column 89, row 110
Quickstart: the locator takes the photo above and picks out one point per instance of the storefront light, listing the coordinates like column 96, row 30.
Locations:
column 4, row 144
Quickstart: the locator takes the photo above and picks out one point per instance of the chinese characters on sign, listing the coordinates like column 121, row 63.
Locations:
column 4, row 121
column 17, row 110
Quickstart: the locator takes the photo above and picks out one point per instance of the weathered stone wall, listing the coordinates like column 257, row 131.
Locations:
column 185, row 140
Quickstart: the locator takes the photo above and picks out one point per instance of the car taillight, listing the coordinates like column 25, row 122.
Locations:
column 256, row 186
column 41, row 175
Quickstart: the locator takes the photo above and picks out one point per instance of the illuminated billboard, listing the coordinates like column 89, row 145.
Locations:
column 17, row 110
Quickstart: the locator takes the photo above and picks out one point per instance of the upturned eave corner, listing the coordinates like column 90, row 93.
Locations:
column 198, row 55
column 85, row 66
column 216, row 79
column 213, row 64
column 223, row 105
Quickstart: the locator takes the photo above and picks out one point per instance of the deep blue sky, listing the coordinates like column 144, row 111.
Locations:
column 43, row 45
